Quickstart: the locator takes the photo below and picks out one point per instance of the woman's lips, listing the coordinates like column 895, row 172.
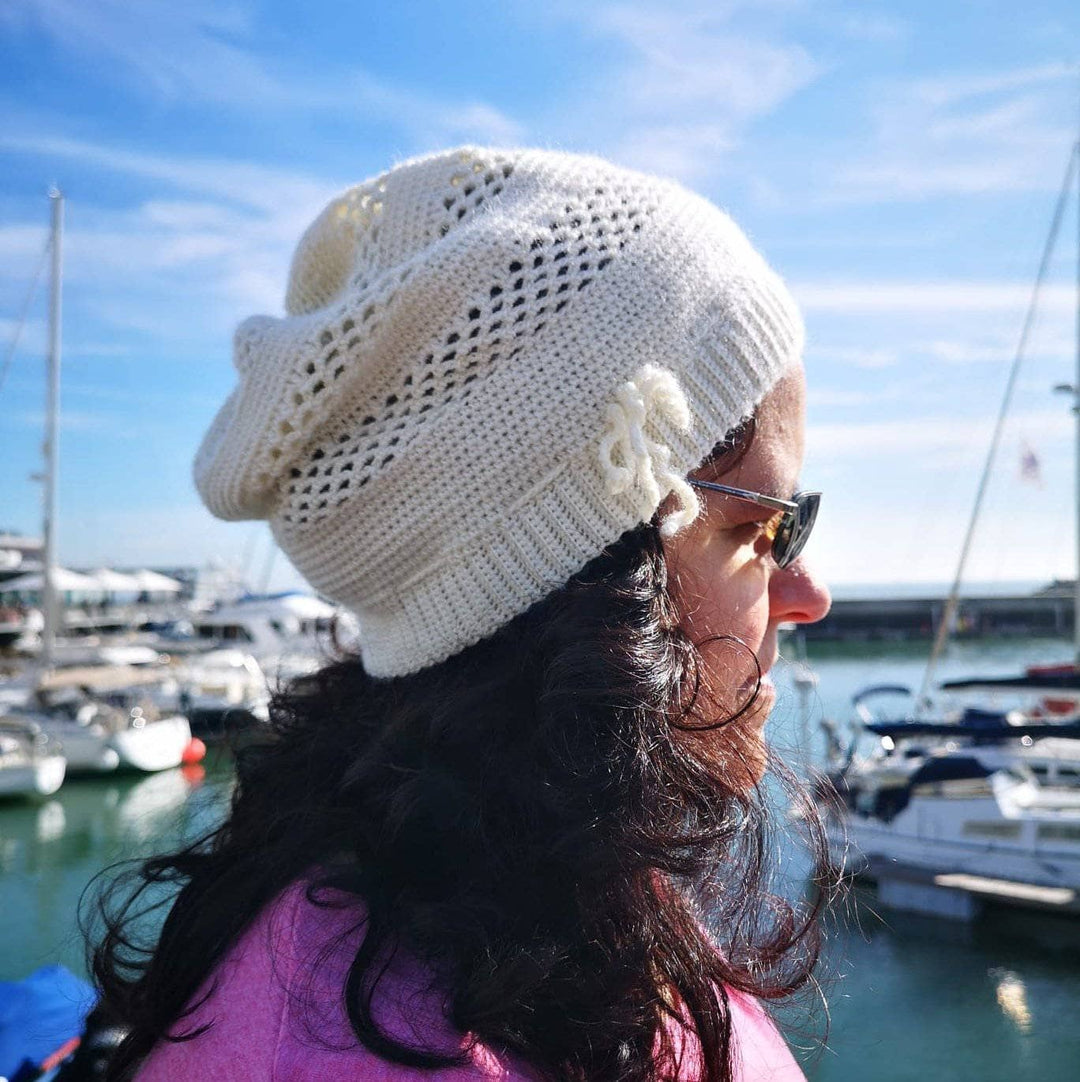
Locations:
column 757, row 698
column 767, row 692
column 764, row 682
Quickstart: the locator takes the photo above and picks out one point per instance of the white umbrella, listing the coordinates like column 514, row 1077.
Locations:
column 152, row 583
column 115, row 583
column 302, row 606
column 307, row 607
column 63, row 580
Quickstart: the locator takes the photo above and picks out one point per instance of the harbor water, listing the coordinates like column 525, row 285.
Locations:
column 918, row 998
column 908, row 997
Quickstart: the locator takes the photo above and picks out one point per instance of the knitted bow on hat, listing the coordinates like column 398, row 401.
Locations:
column 646, row 462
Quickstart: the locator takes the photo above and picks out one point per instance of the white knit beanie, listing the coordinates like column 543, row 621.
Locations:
column 493, row 364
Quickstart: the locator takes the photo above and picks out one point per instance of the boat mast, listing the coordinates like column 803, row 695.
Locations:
column 1076, row 411
column 49, row 598
column 953, row 600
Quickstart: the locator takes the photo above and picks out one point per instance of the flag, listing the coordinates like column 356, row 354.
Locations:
column 1030, row 466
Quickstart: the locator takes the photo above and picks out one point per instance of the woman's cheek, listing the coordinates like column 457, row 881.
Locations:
column 734, row 602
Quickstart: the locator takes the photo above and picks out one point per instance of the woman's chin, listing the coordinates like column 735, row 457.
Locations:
column 737, row 749
column 766, row 698
column 756, row 759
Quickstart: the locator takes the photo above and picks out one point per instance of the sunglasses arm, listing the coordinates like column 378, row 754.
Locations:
column 751, row 497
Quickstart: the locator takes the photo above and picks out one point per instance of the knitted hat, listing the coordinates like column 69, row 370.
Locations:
column 493, row 364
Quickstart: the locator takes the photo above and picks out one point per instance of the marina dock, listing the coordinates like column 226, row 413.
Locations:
column 959, row 896
column 1044, row 613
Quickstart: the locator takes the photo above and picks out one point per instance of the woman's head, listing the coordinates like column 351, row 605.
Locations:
column 493, row 364
column 475, row 427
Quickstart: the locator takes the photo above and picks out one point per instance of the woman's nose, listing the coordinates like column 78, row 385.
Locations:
column 797, row 595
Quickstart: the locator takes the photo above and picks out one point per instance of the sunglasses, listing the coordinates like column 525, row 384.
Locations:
column 789, row 528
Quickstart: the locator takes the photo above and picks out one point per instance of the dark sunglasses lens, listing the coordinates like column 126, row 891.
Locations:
column 782, row 538
column 796, row 529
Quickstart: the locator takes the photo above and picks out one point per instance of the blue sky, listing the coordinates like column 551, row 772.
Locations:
column 897, row 163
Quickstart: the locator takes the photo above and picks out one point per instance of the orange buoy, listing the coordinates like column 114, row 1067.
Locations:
column 194, row 774
column 195, row 752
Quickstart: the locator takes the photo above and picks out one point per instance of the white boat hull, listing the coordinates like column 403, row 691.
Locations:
column 155, row 745
column 87, row 751
column 37, row 778
column 971, row 837
column 874, row 847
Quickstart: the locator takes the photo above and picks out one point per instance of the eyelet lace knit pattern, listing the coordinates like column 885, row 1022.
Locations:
column 492, row 364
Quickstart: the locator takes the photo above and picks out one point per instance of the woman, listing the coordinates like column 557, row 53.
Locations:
column 538, row 421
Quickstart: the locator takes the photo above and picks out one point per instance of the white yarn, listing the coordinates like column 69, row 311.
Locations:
column 645, row 461
column 492, row 364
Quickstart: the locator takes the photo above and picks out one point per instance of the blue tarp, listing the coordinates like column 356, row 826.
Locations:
column 40, row 1013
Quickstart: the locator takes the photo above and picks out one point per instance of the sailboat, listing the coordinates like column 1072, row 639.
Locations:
column 96, row 735
column 955, row 807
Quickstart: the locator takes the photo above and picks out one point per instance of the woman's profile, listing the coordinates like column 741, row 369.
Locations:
column 538, row 421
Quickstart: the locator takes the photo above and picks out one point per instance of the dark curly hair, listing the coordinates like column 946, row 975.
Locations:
column 541, row 819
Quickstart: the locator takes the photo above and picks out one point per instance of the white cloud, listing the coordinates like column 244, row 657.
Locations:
column 680, row 84
column 174, row 49
column 429, row 120
column 195, row 52
column 186, row 216
column 33, row 342
column 222, row 243
column 916, row 437
column 848, row 396
column 961, row 134
column 699, row 61
column 32, row 337
column 858, row 356
column 238, row 183
column 902, row 490
column 952, row 352
column 925, row 440
column 688, row 151
column 22, row 250
column 152, row 279
column 981, row 348
column 984, row 172
column 132, row 396
column 870, row 26
column 84, row 421
column 947, row 295
column 948, row 89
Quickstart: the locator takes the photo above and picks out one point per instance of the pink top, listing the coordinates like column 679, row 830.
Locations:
column 277, row 1013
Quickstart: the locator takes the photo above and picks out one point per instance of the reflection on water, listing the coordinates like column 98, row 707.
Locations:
column 1012, row 998
column 51, row 821
column 49, row 852
column 911, row 997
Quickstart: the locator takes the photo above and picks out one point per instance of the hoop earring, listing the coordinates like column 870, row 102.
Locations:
column 713, row 726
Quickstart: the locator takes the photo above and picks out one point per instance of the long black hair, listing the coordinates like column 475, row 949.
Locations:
column 537, row 819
